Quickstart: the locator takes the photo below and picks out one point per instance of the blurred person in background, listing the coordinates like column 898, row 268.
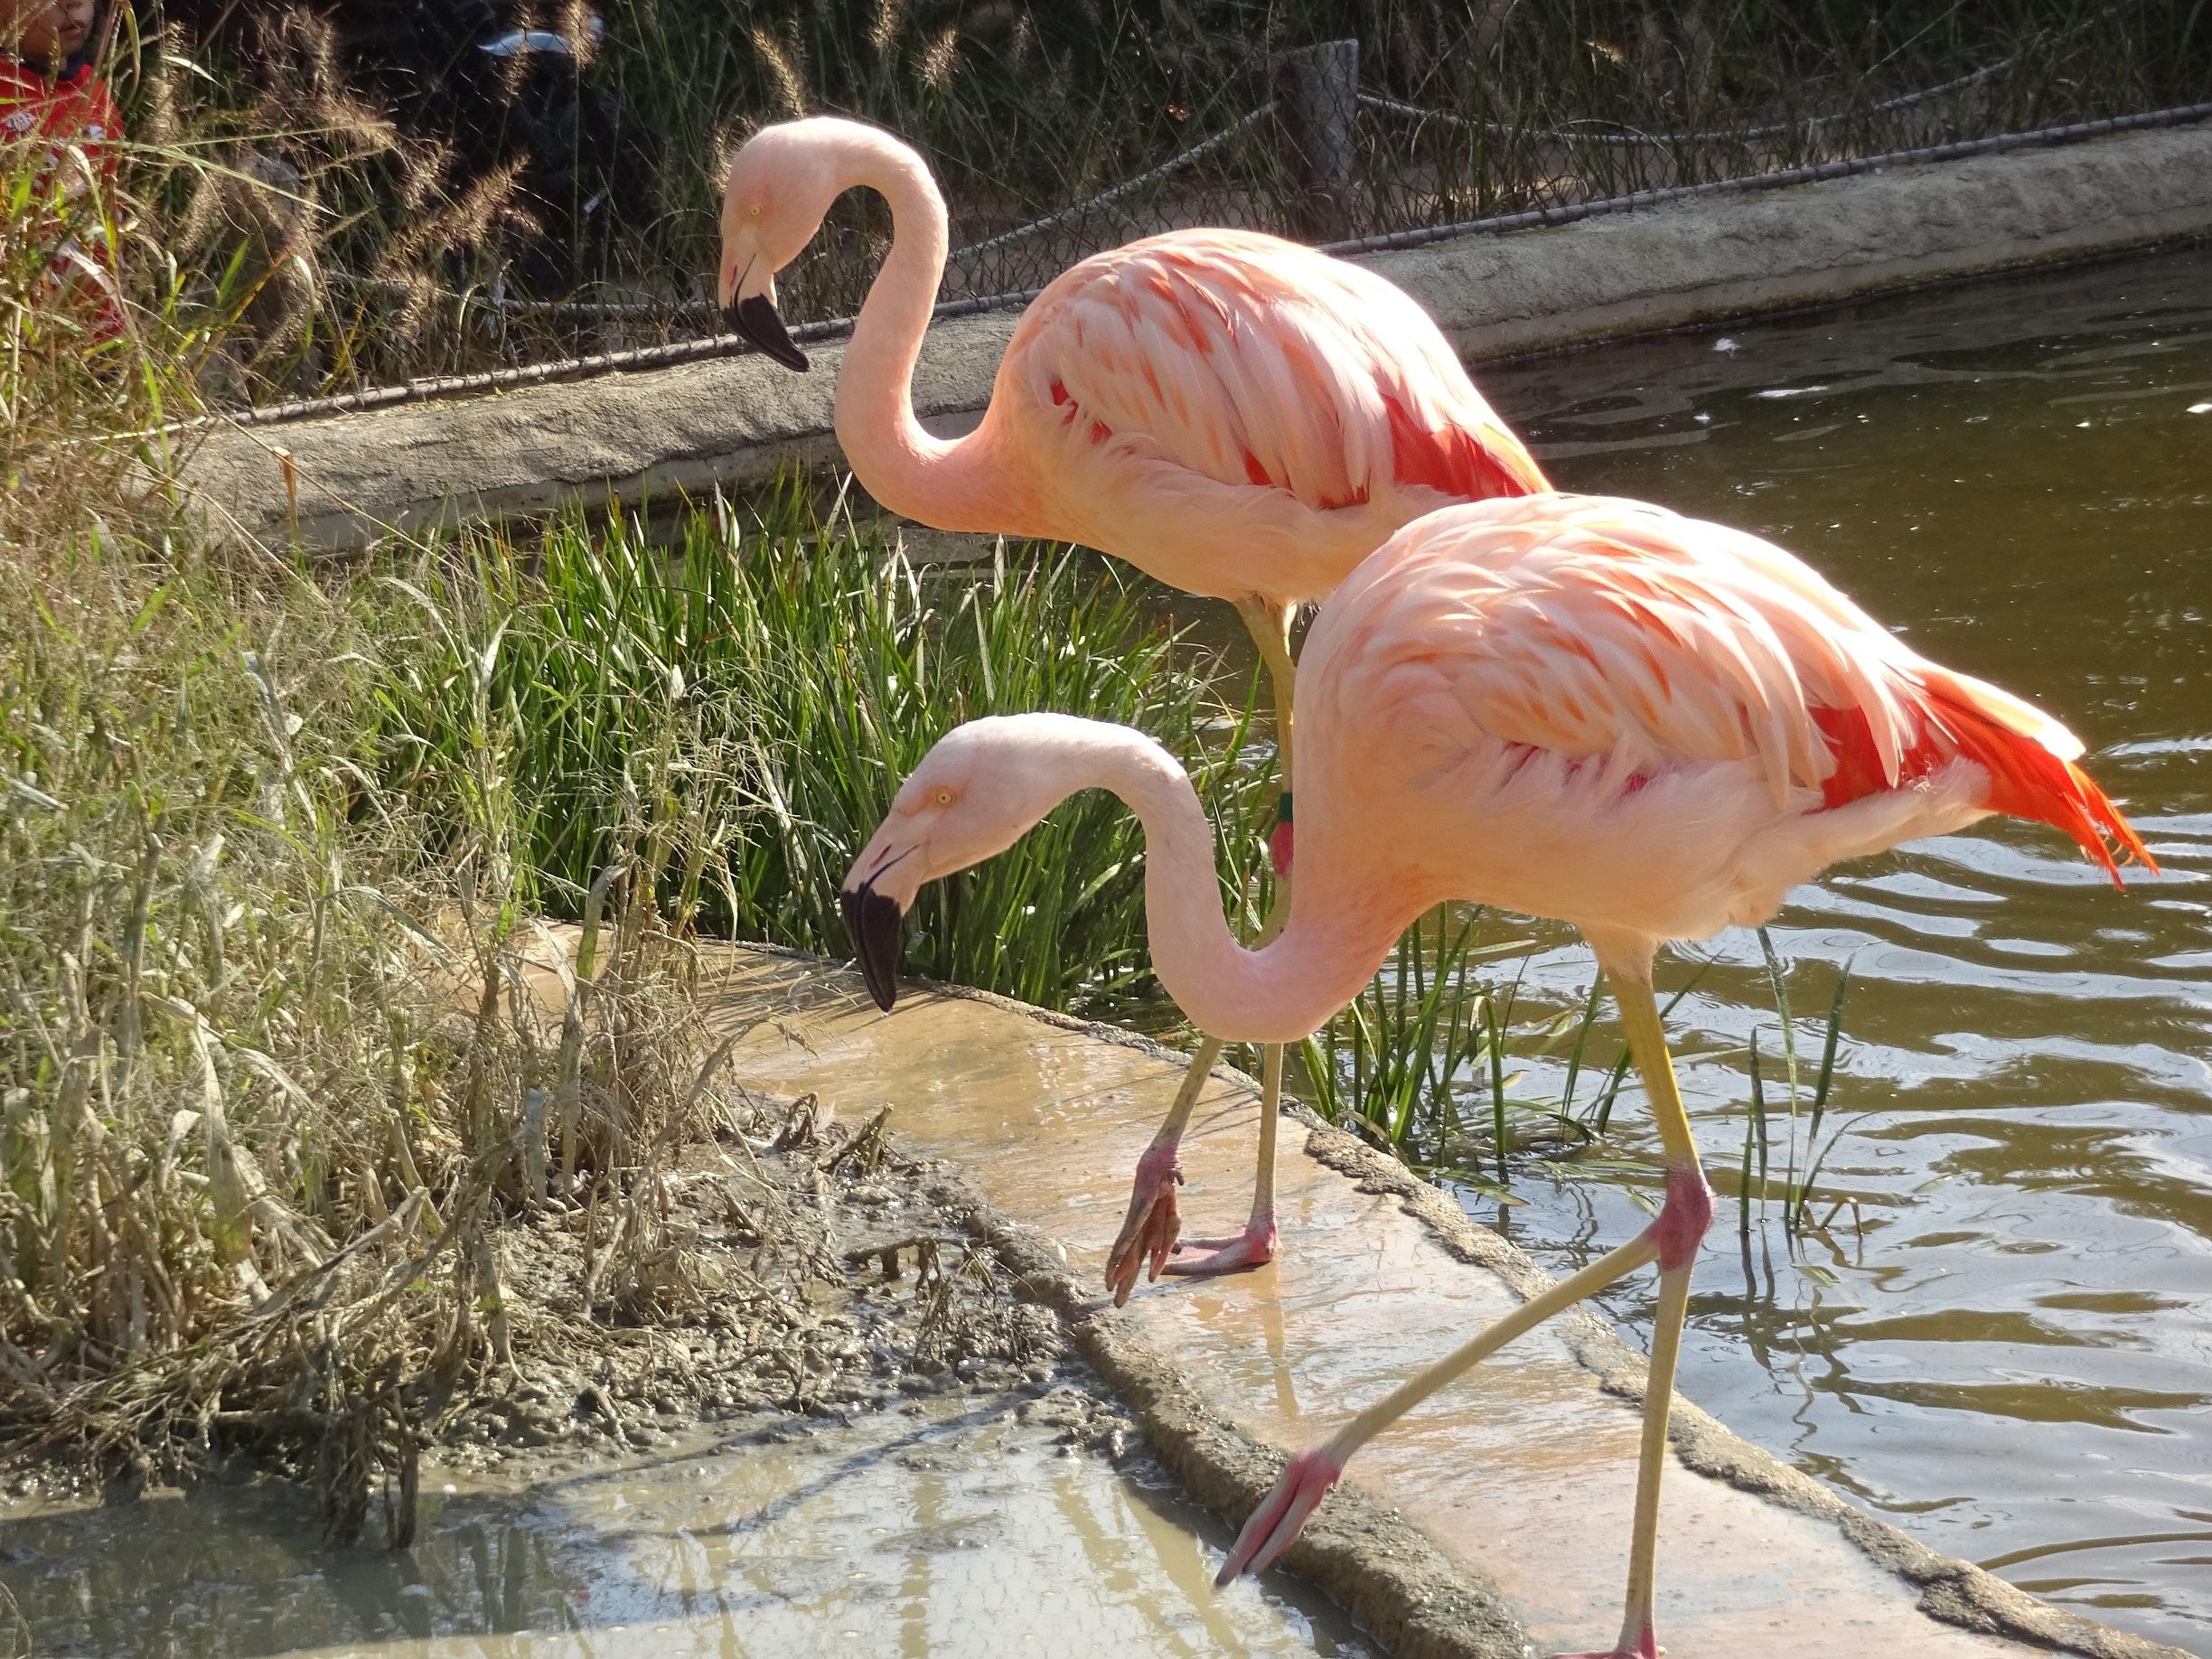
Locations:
column 60, row 133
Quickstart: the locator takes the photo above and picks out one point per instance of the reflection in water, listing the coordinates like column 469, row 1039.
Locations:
column 1279, row 1357
column 961, row 1528
column 1999, row 1342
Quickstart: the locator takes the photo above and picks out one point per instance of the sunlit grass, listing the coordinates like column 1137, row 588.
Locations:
column 803, row 665
column 267, row 1079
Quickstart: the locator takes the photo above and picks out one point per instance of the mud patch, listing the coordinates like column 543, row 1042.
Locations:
column 792, row 1264
column 825, row 1413
column 798, row 1264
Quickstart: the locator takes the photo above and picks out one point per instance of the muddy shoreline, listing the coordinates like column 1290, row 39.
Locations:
column 810, row 1270
column 839, row 1293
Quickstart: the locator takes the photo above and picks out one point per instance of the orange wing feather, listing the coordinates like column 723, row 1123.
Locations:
column 2028, row 779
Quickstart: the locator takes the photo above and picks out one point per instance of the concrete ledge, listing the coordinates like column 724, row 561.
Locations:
column 621, row 438
column 1823, row 244
column 1490, row 1523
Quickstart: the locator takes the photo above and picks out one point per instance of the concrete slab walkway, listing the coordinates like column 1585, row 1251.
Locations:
column 1522, row 1476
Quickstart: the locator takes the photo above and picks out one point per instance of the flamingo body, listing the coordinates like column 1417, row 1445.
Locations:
column 1597, row 710
column 1238, row 416
column 1573, row 706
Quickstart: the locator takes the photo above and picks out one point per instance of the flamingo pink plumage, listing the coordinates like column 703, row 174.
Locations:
column 1593, row 709
column 1241, row 416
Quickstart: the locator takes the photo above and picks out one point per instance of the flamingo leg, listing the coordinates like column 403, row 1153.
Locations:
column 1148, row 1237
column 1256, row 1243
column 1269, row 626
column 1149, row 1228
column 1677, row 1230
column 1670, row 1240
column 1272, row 1527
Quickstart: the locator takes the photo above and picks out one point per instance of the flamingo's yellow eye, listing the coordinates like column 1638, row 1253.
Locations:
column 942, row 798
column 754, row 212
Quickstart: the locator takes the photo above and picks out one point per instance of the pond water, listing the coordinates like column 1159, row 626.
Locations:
column 2001, row 1343
column 960, row 1525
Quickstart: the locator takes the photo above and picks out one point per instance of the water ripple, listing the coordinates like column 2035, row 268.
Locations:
column 2023, row 1109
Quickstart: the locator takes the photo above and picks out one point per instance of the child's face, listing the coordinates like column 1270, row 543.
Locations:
column 45, row 30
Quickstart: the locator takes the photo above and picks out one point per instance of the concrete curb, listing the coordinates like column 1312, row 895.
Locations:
column 1390, row 1577
column 621, row 439
column 1379, row 1568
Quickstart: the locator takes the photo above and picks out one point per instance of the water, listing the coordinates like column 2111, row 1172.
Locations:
column 962, row 1527
column 2000, row 1344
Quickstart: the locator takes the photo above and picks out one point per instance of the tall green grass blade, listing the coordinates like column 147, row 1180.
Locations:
column 1743, row 1184
column 1758, row 1120
column 1802, row 1198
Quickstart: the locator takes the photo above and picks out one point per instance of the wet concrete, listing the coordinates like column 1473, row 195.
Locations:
column 1522, row 1476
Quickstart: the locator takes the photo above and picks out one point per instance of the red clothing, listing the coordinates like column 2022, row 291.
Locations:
column 42, row 118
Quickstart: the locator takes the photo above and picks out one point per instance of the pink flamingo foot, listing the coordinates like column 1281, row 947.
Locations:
column 1147, row 1235
column 1281, row 1513
column 1249, row 1249
column 1646, row 1647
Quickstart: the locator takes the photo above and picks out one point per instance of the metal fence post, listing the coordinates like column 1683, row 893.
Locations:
column 1316, row 96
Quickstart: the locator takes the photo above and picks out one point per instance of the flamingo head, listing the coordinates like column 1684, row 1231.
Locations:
column 982, row 788
column 781, row 185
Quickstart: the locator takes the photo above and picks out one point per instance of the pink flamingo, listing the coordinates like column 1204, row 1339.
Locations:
column 1238, row 416
column 1649, row 726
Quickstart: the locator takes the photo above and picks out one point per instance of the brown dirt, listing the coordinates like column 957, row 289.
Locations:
column 810, row 1270
column 797, row 1265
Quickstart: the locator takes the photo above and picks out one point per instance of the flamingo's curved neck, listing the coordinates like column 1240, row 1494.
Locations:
column 950, row 485
column 1346, row 917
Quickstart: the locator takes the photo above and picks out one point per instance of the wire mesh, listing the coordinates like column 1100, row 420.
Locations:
column 1420, row 118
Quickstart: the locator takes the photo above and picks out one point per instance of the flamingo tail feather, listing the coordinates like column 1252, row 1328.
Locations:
column 2029, row 776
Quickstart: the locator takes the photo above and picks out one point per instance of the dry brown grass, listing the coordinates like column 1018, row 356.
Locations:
column 255, row 1148
column 323, row 243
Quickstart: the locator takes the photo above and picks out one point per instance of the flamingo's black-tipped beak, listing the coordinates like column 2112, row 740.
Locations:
column 872, row 919
column 757, row 320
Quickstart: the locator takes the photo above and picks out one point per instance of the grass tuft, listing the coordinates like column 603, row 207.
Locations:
column 281, row 1049
column 794, row 665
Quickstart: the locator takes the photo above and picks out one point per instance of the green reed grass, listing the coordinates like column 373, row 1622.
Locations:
column 1418, row 1063
column 1804, row 1158
column 1429, row 1062
column 816, row 663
